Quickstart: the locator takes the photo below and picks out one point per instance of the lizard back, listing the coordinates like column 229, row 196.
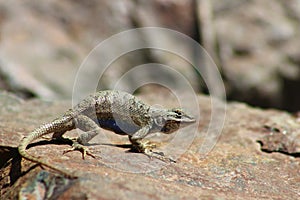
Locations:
column 117, row 111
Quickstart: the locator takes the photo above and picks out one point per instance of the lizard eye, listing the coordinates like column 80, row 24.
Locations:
column 178, row 113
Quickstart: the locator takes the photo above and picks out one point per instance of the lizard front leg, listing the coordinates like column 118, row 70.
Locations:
column 145, row 146
column 90, row 128
column 137, row 140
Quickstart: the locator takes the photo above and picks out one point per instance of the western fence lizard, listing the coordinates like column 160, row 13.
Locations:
column 117, row 111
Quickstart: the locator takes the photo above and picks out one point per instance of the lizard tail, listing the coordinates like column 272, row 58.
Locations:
column 55, row 125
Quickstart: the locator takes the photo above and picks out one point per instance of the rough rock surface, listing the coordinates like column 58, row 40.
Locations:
column 236, row 168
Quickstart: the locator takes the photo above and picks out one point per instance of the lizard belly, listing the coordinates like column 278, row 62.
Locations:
column 118, row 126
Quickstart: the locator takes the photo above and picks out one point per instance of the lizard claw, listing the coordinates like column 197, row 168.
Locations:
column 159, row 155
column 146, row 147
column 46, row 138
column 85, row 151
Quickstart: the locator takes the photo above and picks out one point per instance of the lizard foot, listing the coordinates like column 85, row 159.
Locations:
column 85, row 151
column 146, row 147
column 159, row 155
column 140, row 146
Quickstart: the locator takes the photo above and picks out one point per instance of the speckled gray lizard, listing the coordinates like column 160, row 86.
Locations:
column 117, row 111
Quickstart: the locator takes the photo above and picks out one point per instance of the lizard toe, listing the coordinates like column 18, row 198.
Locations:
column 79, row 147
column 158, row 155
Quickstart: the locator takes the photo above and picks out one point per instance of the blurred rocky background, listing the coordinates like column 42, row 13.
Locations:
column 255, row 44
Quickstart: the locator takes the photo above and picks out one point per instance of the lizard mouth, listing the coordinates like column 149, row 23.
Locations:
column 189, row 120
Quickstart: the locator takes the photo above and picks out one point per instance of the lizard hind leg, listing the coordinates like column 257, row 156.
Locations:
column 90, row 129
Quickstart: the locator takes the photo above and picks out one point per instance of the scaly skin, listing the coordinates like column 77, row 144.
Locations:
column 116, row 111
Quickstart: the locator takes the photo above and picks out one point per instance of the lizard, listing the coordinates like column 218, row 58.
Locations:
column 114, row 110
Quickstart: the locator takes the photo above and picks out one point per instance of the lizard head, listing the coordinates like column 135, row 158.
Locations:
column 173, row 119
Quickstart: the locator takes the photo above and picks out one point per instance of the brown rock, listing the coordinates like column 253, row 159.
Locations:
column 277, row 140
column 235, row 168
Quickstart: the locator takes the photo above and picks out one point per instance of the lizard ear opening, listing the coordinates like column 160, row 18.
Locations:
column 160, row 121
